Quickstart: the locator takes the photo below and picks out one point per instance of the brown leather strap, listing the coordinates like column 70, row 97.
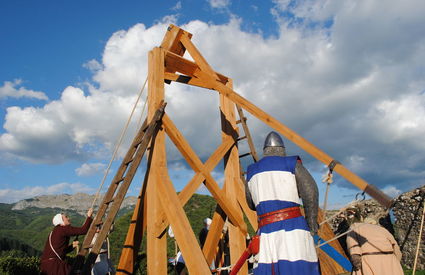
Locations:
column 279, row 215
column 378, row 253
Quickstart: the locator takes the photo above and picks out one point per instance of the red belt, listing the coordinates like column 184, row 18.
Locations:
column 279, row 215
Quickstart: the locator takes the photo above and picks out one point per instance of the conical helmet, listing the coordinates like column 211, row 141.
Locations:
column 273, row 140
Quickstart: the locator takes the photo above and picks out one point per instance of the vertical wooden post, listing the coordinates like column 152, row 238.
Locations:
column 156, row 245
column 237, row 239
column 134, row 236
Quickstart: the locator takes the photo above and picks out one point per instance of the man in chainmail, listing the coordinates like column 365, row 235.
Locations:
column 275, row 185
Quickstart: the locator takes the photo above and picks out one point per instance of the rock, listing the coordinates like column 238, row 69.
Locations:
column 79, row 202
column 407, row 214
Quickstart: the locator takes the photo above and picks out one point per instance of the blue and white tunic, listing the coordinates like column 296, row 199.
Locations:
column 286, row 247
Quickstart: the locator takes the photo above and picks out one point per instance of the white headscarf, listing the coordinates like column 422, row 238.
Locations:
column 57, row 220
column 208, row 222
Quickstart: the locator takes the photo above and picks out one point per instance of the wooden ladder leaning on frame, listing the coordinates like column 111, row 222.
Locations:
column 115, row 195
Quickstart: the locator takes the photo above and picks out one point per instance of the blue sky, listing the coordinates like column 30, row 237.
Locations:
column 347, row 76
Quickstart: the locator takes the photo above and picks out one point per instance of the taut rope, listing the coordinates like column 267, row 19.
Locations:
column 118, row 144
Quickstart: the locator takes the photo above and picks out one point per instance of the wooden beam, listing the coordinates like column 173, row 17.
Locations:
column 197, row 56
column 171, row 41
column 135, row 233
column 237, row 239
column 183, row 233
column 176, row 63
column 214, row 234
column 250, row 214
column 186, row 80
column 156, row 246
column 194, row 183
column 297, row 139
column 196, row 164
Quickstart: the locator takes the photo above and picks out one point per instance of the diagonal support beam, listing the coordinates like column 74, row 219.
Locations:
column 296, row 138
column 193, row 160
column 183, row 232
column 194, row 183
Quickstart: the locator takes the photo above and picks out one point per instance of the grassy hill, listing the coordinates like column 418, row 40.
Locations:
column 28, row 229
column 30, row 226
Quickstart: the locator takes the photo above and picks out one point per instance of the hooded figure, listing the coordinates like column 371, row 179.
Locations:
column 373, row 249
column 274, row 187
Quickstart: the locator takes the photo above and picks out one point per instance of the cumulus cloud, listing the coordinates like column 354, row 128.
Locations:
column 219, row 4
column 12, row 89
column 347, row 76
column 14, row 195
column 89, row 169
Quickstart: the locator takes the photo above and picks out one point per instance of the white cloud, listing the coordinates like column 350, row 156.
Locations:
column 392, row 191
column 12, row 89
column 89, row 169
column 219, row 4
column 354, row 88
column 14, row 195
column 178, row 6
column 93, row 65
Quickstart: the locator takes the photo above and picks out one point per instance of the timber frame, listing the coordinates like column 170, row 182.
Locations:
column 159, row 205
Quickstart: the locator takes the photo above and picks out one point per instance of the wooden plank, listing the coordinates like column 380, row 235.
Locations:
column 186, row 80
column 250, row 214
column 214, row 234
column 196, row 164
column 197, row 56
column 237, row 239
column 156, row 246
column 134, row 235
column 183, row 233
column 176, row 63
column 297, row 139
column 171, row 41
column 194, row 183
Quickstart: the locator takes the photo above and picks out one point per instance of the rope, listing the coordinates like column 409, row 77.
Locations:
column 334, row 238
column 341, row 210
column 419, row 239
column 141, row 114
column 326, row 196
column 118, row 144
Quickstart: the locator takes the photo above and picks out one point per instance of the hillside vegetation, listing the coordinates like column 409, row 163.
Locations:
column 24, row 232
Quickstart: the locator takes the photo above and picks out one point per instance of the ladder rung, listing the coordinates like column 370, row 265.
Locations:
column 108, row 202
column 244, row 155
column 241, row 138
column 128, row 162
column 137, row 144
column 240, row 120
column 88, row 247
column 118, row 181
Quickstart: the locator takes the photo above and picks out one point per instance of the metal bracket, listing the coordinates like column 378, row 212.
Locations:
column 332, row 165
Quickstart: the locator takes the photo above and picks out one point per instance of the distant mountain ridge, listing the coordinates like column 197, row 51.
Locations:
column 78, row 202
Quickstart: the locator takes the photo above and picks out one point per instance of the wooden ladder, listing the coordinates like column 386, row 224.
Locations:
column 242, row 120
column 116, row 193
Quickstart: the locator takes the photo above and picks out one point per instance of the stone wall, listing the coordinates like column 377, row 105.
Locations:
column 404, row 224
column 408, row 210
